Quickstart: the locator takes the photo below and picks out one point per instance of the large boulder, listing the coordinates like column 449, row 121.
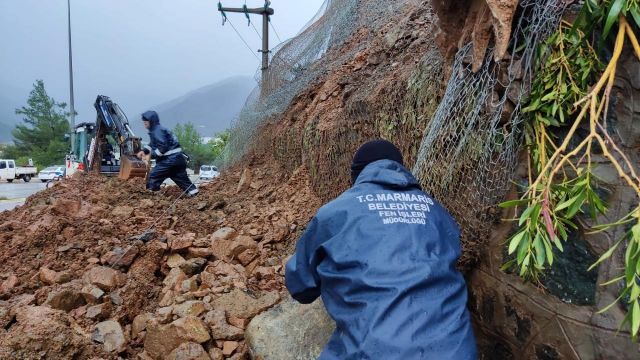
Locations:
column 290, row 331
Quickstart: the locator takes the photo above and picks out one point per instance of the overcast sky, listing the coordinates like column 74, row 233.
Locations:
column 139, row 52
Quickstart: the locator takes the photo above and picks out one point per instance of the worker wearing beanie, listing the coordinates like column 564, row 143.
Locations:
column 382, row 256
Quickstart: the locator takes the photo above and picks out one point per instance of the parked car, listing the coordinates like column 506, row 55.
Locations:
column 9, row 171
column 51, row 173
column 208, row 172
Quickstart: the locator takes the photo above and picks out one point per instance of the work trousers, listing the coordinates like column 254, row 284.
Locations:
column 173, row 167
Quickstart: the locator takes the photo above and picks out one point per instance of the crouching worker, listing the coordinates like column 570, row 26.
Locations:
column 171, row 162
column 382, row 256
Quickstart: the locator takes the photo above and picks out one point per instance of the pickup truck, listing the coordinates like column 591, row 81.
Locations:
column 9, row 171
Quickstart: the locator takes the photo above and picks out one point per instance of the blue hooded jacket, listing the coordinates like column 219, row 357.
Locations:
column 382, row 256
column 162, row 143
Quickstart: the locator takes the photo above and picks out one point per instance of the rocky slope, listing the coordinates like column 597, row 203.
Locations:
column 98, row 267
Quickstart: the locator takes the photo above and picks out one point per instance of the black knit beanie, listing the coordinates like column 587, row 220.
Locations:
column 373, row 151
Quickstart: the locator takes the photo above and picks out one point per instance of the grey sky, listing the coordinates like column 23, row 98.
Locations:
column 139, row 52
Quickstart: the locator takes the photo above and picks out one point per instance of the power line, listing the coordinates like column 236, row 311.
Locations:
column 274, row 31
column 241, row 38
column 256, row 30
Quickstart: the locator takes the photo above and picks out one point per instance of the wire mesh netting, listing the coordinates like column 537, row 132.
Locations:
column 470, row 147
column 463, row 137
column 298, row 62
column 294, row 64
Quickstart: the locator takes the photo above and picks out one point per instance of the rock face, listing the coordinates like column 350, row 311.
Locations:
column 480, row 19
column 290, row 331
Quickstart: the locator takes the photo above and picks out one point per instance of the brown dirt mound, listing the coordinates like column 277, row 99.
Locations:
column 72, row 257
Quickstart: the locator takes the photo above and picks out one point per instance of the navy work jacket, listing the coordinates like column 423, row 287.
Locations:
column 382, row 256
column 162, row 143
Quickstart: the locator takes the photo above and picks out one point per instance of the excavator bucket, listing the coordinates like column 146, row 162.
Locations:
column 131, row 166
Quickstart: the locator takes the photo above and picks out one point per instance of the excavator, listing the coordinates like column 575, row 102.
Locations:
column 107, row 146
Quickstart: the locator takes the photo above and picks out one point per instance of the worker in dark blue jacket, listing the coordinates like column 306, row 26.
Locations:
column 382, row 257
column 171, row 162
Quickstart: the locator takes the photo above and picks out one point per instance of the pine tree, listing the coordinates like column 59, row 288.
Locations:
column 45, row 125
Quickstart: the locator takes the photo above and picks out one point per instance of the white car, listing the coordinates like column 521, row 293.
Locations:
column 51, row 173
column 208, row 172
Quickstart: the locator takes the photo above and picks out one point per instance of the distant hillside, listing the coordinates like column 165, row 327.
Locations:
column 211, row 108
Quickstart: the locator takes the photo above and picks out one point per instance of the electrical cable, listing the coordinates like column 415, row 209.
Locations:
column 256, row 30
column 274, row 31
column 241, row 38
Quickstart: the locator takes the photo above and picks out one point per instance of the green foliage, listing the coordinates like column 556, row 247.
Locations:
column 41, row 136
column 201, row 153
column 606, row 13
column 567, row 67
column 571, row 85
column 218, row 143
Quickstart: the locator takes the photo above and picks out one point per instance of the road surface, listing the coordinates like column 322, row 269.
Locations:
column 14, row 194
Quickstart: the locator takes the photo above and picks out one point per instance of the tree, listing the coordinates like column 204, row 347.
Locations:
column 218, row 144
column 191, row 142
column 201, row 153
column 41, row 137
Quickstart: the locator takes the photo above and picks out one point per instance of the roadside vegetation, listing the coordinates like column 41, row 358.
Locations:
column 200, row 152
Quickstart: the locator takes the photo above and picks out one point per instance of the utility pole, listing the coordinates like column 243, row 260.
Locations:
column 73, row 110
column 265, row 11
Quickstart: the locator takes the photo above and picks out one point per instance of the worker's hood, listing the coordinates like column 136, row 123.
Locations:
column 387, row 173
column 152, row 117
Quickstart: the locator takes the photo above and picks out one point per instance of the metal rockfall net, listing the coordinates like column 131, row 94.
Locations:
column 298, row 62
column 470, row 147
column 293, row 66
column 463, row 140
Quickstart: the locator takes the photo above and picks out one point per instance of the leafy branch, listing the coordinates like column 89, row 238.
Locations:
column 572, row 90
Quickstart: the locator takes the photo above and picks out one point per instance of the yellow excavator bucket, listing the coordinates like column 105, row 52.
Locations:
column 131, row 166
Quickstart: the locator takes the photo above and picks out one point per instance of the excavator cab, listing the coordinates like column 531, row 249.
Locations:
column 114, row 146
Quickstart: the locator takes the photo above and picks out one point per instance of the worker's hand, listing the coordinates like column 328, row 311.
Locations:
column 140, row 154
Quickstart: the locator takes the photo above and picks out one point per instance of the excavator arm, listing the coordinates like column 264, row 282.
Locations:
column 112, row 121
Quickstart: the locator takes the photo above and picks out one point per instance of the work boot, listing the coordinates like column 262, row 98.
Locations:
column 193, row 192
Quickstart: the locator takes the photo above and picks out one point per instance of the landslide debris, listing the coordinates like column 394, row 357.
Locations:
column 97, row 267
column 124, row 273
